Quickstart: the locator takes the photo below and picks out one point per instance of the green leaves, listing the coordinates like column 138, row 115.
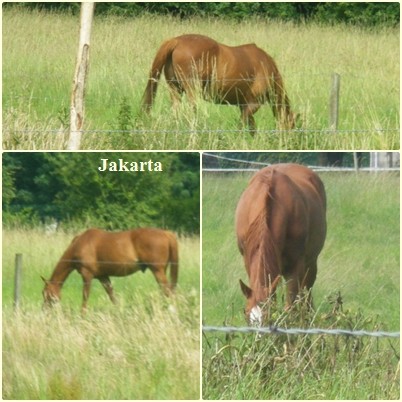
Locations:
column 70, row 188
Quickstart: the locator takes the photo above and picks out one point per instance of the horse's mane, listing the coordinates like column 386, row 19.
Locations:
column 259, row 238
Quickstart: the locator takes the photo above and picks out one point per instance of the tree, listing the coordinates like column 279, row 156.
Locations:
column 70, row 188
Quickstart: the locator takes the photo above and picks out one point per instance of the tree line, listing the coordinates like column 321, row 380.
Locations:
column 355, row 13
column 70, row 189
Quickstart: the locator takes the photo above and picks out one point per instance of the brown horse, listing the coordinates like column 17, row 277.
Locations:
column 281, row 229
column 242, row 75
column 99, row 254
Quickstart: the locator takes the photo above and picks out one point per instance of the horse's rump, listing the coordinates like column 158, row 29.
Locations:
column 281, row 228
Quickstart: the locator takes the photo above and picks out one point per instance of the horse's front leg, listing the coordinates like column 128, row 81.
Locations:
column 107, row 284
column 87, row 279
column 247, row 118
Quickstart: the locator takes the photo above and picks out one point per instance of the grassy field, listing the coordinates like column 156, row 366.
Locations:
column 147, row 347
column 36, row 93
column 360, row 262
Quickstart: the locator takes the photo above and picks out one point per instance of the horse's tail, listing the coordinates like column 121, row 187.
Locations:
column 161, row 58
column 259, row 238
column 280, row 101
column 173, row 259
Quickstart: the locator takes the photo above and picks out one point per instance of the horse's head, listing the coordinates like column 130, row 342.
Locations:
column 51, row 293
column 254, row 312
column 290, row 121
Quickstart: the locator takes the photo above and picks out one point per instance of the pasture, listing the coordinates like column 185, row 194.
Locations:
column 146, row 347
column 36, row 94
column 357, row 287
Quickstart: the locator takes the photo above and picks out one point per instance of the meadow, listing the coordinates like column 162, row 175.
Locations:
column 357, row 287
column 146, row 347
column 39, row 53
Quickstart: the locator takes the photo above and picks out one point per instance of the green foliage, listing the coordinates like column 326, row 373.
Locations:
column 365, row 14
column 8, row 183
column 125, row 117
column 68, row 187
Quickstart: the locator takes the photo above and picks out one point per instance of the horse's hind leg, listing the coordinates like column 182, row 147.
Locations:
column 160, row 276
column 175, row 97
column 309, row 280
column 303, row 277
column 107, row 284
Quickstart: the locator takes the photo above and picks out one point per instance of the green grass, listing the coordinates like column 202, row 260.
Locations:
column 360, row 261
column 146, row 347
column 36, row 94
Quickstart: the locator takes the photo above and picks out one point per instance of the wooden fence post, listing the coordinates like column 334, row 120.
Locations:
column 81, row 69
column 356, row 161
column 334, row 101
column 17, row 279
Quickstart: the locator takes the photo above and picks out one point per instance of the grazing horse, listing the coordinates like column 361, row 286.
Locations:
column 241, row 75
column 281, row 229
column 99, row 254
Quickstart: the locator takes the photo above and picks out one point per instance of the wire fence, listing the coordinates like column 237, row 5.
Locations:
column 316, row 168
column 299, row 331
column 272, row 330
column 64, row 271
column 188, row 131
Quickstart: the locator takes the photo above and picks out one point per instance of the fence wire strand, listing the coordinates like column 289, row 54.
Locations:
column 203, row 131
column 299, row 331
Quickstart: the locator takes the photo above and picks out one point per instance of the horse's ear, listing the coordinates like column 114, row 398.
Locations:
column 245, row 289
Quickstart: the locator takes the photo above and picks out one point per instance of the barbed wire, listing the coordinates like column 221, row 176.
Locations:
column 298, row 331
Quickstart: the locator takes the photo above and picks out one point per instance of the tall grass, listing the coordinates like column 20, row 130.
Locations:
column 308, row 367
column 146, row 347
column 36, row 94
column 357, row 288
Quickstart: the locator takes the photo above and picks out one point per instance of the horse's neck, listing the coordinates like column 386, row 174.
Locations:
column 61, row 272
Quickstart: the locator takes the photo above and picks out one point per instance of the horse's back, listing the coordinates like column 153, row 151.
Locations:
column 193, row 47
column 195, row 41
column 231, row 62
column 96, row 246
column 100, row 245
